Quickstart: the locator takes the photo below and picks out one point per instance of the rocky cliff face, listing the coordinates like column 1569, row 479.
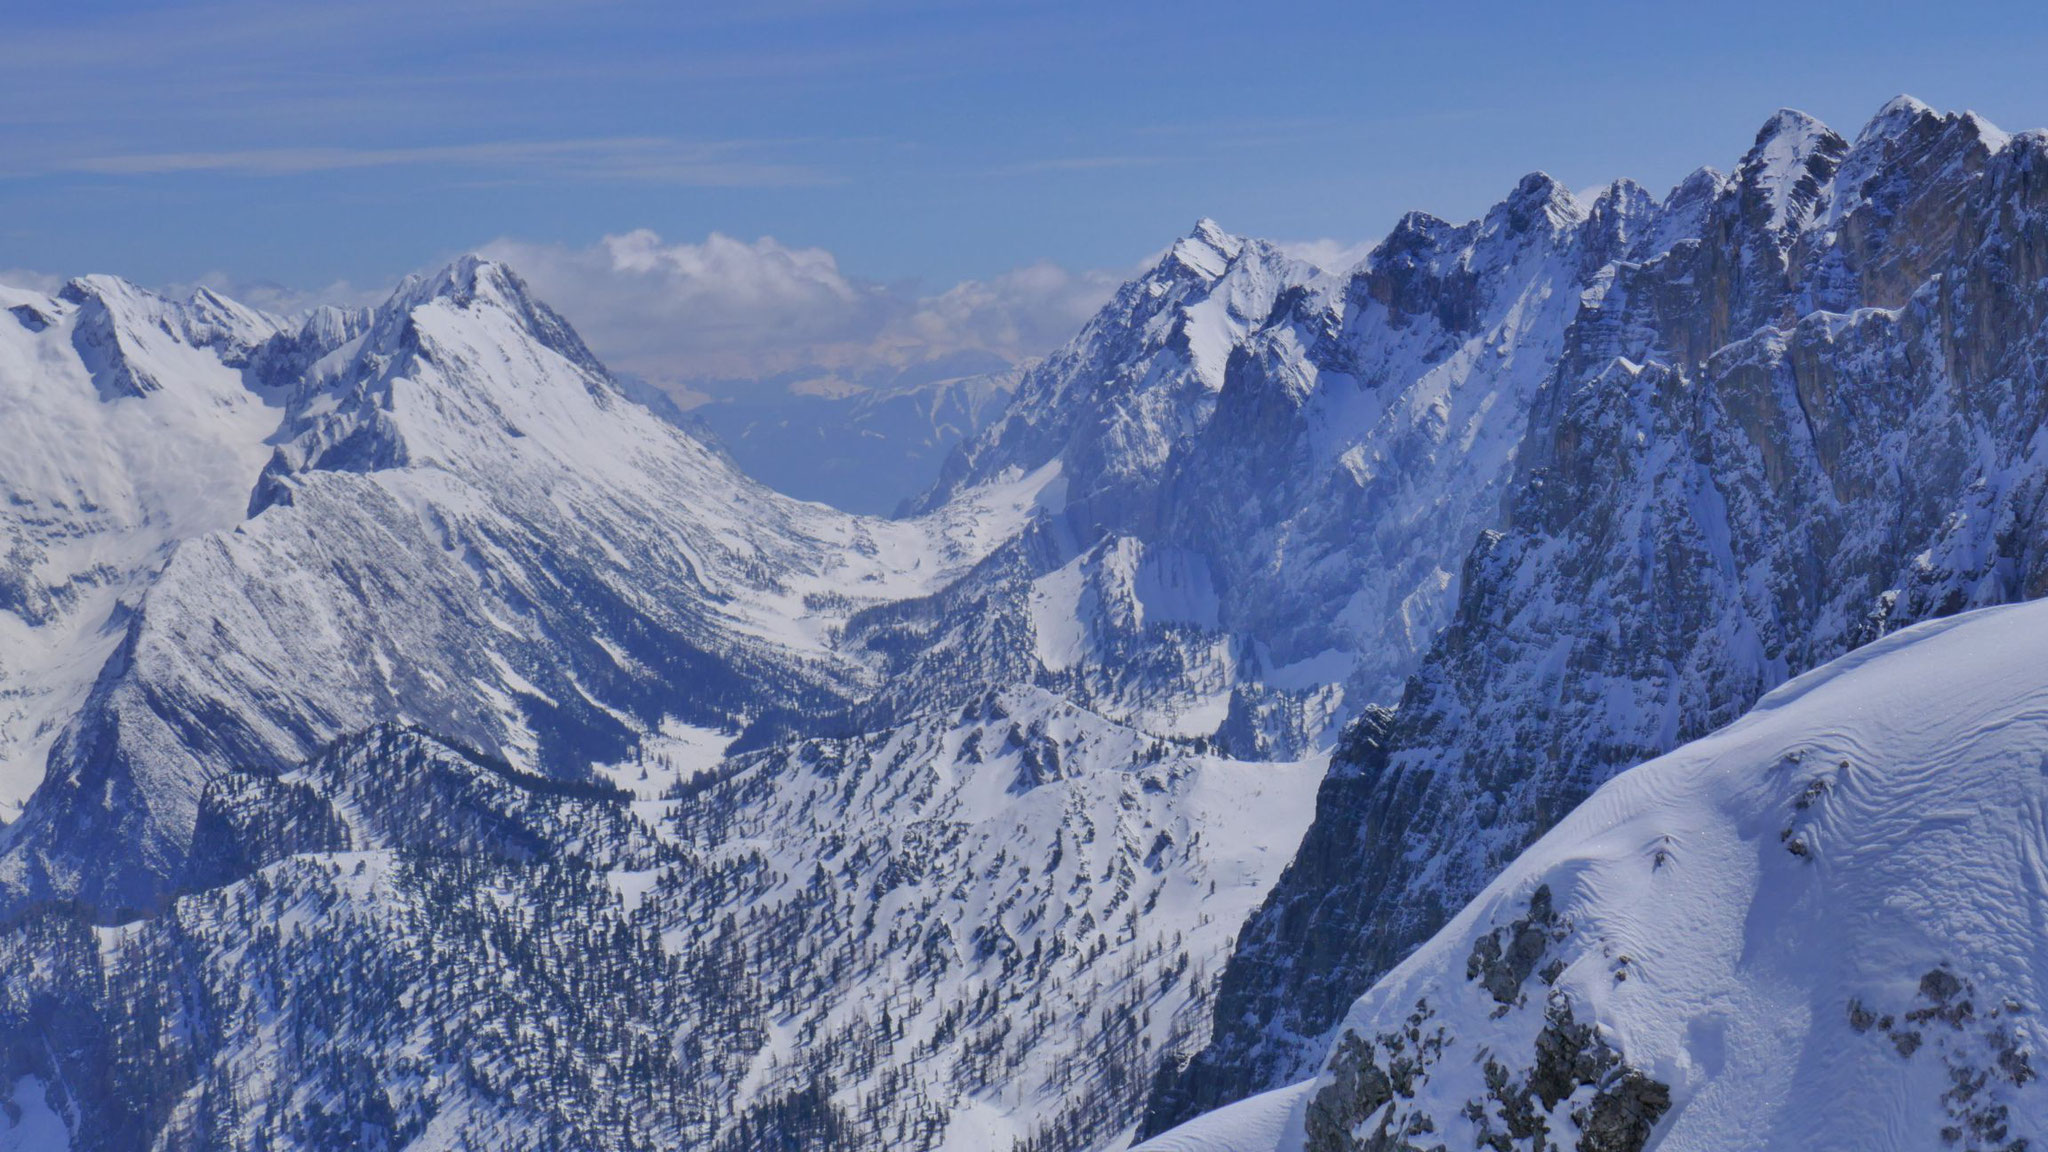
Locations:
column 1814, row 419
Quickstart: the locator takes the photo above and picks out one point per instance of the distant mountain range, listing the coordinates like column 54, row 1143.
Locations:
column 414, row 736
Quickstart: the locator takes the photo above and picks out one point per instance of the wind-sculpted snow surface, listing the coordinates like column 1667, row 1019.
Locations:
column 1816, row 928
column 1813, row 421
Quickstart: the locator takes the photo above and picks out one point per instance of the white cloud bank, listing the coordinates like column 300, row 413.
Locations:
column 729, row 309
column 724, row 311
column 1329, row 255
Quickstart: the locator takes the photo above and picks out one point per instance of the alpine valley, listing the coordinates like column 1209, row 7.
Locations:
column 412, row 736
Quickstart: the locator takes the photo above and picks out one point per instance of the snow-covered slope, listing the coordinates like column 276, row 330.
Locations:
column 130, row 426
column 1819, row 927
column 966, row 933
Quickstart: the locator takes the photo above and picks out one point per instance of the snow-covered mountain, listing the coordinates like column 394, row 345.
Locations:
column 130, row 427
column 479, row 610
column 462, row 525
column 1816, row 928
column 1322, row 449
column 440, row 746
column 1814, row 418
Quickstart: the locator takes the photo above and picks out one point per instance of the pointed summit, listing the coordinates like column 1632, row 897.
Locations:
column 1898, row 114
column 1786, row 174
column 1207, row 250
column 1538, row 198
column 465, row 280
column 1209, row 232
column 1909, row 149
column 1789, row 124
column 473, row 282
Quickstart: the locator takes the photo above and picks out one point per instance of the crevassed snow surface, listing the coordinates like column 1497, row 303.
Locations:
column 1820, row 927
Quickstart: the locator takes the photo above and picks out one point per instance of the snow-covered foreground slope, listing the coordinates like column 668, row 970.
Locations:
column 1818, row 928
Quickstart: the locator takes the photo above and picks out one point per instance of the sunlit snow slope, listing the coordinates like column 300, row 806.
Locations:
column 125, row 425
column 1818, row 928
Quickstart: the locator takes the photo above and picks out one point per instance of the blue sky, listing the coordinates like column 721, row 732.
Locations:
column 914, row 146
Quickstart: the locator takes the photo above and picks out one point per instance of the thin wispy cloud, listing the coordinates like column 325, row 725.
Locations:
column 1080, row 164
column 30, row 279
column 633, row 158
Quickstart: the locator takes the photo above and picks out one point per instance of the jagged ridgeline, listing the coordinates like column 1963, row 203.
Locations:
column 1804, row 412
column 426, row 744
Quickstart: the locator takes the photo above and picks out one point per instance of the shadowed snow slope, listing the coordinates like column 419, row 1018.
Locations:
column 1816, row 928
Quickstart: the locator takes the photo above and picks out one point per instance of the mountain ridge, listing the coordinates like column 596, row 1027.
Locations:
column 1695, row 518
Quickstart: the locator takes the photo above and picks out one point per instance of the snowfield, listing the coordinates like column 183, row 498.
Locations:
column 1821, row 927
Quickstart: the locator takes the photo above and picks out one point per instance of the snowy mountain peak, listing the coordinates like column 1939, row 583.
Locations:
column 1910, row 159
column 1786, row 174
column 461, row 282
column 475, row 284
column 1906, row 123
column 1209, row 232
column 1538, row 200
column 454, row 369
column 1898, row 115
column 211, row 306
column 1792, row 128
column 1208, row 250
column 131, row 339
